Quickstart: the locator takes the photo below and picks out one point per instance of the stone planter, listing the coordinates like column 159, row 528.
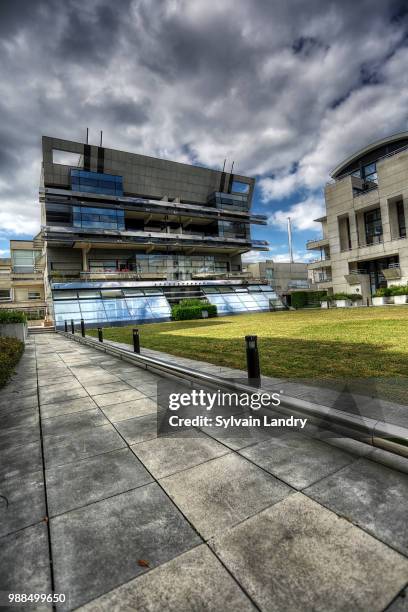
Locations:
column 14, row 330
column 324, row 304
column 382, row 301
column 343, row 303
column 400, row 299
column 355, row 303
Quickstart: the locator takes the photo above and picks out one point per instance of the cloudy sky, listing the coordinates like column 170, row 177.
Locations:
column 285, row 88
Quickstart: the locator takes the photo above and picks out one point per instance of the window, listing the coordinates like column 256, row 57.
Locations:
column 98, row 218
column 5, row 295
column 239, row 187
column 34, row 295
column 96, row 182
column 369, row 172
column 373, row 226
column 66, row 158
column 401, row 220
column 24, row 260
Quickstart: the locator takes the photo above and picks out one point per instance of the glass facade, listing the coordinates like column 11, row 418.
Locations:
column 98, row 218
column 229, row 201
column 104, row 306
column 96, row 182
column 230, row 300
column 174, row 267
column 129, row 304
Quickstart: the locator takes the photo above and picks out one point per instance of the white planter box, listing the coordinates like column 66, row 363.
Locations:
column 357, row 303
column 343, row 303
column 382, row 301
column 324, row 304
column 400, row 299
column 14, row 330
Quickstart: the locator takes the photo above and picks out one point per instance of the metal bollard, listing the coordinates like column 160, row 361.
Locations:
column 368, row 301
column 136, row 341
column 252, row 355
column 72, row 327
column 100, row 334
column 82, row 328
column 66, row 327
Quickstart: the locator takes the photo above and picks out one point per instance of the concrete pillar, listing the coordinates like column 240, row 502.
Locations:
column 85, row 267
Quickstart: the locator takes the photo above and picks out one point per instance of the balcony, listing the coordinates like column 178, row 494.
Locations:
column 316, row 264
column 104, row 275
column 317, row 243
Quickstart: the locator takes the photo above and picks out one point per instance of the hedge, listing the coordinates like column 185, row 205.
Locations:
column 11, row 350
column 303, row 299
column 12, row 316
column 192, row 309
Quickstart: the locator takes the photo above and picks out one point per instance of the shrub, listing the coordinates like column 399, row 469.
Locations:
column 399, row 289
column 192, row 309
column 341, row 296
column 383, row 292
column 12, row 316
column 355, row 297
column 11, row 350
column 303, row 299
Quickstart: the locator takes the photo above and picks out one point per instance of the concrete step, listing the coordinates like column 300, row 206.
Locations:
column 41, row 330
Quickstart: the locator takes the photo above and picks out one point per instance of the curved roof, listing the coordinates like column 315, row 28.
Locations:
column 382, row 146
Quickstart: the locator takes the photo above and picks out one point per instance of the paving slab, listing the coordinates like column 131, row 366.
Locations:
column 101, row 388
column 117, row 397
column 149, row 389
column 44, row 381
column 298, row 460
column 129, row 410
column 16, row 436
column 22, row 502
column 93, row 374
column 236, row 440
column 371, row 496
column 139, row 429
column 20, row 460
column 218, row 494
column 195, row 580
column 68, row 486
column 400, row 604
column 70, row 423
column 299, row 556
column 60, row 392
column 167, row 455
column 28, row 417
column 19, row 402
column 69, row 407
column 67, row 448
column 29, row 571
column 98, row 547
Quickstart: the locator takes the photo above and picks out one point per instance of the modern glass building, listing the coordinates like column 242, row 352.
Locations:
column 125, row 236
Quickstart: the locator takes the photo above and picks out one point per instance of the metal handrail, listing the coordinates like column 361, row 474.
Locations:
column 374, row 432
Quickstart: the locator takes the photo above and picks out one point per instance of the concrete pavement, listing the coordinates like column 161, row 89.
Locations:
column 95, row 506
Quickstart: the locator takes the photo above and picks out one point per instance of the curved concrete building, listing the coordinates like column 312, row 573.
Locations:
column 364, row 246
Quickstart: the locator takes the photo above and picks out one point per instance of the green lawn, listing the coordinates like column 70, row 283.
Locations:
column 329, row 344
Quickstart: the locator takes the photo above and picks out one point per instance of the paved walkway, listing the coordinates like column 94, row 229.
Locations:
column 94, row 505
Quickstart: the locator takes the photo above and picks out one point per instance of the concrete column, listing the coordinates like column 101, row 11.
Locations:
column 85, row 267
column 385, row 220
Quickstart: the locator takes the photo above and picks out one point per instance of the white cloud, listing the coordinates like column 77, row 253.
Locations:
column 255, row 256
column 302, row 215
column 286, row 93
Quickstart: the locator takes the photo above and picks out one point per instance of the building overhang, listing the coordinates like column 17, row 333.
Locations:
column 158, row 207
column 75, row 238
column 340, row 169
